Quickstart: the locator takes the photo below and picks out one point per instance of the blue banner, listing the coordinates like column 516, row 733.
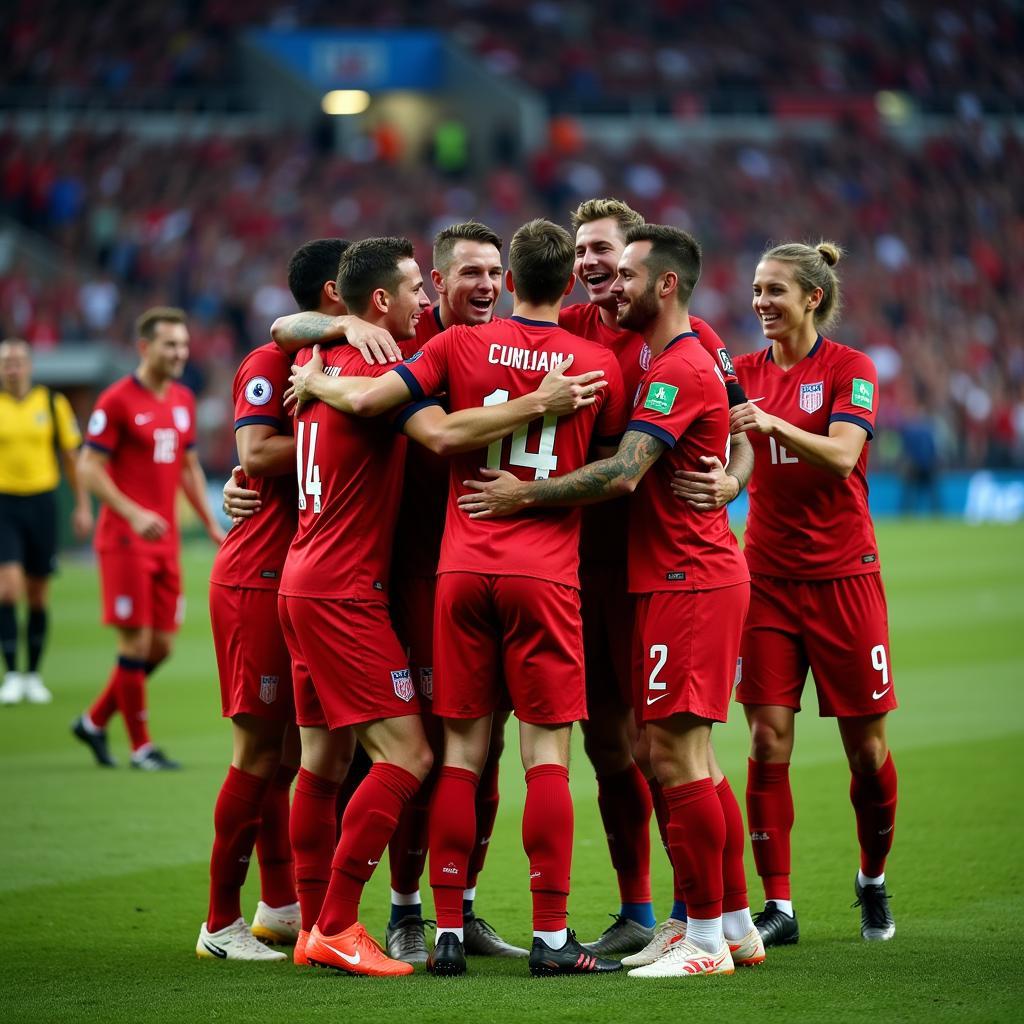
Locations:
column 336, row 59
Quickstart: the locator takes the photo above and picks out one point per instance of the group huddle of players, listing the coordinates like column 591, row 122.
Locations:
column 396, row 601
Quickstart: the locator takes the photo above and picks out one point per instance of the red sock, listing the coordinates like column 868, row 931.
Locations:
column 407, row 851
column 547, row 839
column 770, row 820
column 734, row 876
column 357, row 771
column 487, row 799
column 625, row 803
column 370, row 819
column 696, row 832
column 236, row 817
column 661, row 816
column 452, row 835
column 273, row 847
column 874, row 802
column 130, row 693
column 105, row 705
column 312, row 830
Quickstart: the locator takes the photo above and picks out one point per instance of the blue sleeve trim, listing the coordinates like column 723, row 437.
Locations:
column 649, row 428
column 848, row 417
column 410, row 382
column 99, row 447
column 412, row 408
column 262, row 421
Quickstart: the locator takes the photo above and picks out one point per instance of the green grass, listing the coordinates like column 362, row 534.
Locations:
column 103, row 874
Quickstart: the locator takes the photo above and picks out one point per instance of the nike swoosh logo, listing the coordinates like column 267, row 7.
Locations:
column 216, row 950
column 886, row 831
column 875, row 695
column 353, row 960
column 754, row 401
column 142, row 419
column 653, row 700
column 372, row 862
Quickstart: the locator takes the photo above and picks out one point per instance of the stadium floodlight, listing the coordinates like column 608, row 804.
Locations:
column 342, row 102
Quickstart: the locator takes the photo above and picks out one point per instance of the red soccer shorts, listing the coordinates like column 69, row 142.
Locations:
column 253, row 662
column 142, row 589
column 527, row 628
column 687, row 642
column 412, row 611
column 839, row 629
column 357, row 670
column 607, row 610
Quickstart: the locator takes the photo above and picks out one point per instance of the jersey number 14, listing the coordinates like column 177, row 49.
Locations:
column 543, row 461
column 309, row 482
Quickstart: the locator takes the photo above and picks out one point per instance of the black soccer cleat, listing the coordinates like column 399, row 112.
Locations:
column 777, row 928
column 572, row 958
column 95, row 741
column 448, row 958
column 155, row 760
column 876, row 920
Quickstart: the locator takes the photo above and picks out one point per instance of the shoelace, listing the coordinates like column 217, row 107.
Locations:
column 486, row 927
column 873, row 899
column 410, row 936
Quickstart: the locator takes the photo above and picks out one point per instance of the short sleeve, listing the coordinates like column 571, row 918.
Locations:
column 614, row 412
column 106, row 422
column 855, row 392
column 68, row 433
column 426, row 372
column 715, row 348
column 259, row 391
column 670, row 398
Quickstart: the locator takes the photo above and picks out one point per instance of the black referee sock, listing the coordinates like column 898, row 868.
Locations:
column 9, row 636
column 35, row 634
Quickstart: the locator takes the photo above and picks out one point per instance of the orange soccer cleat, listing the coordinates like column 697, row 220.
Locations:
column 354, row 950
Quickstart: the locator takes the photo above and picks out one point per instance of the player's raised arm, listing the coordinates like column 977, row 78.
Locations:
column 358, row 396
column 297, row 330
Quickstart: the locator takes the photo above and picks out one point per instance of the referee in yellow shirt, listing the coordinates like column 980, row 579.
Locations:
column 36, row 426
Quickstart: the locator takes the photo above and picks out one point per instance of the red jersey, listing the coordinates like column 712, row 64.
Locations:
column 682, row 401
column 603, row 539
column 490, row 364
column 253, row 552
column 146, row 437
column 805, row 522
column 350, row 479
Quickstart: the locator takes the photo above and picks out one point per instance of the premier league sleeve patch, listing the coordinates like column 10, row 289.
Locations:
column 403, row 684
column 259, row 391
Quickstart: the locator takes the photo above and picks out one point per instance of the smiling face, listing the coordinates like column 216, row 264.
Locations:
column 636, row 304
column 471, row 283
column 781, row 306
column 407, row 303
column 166, row 353
column 599, row 244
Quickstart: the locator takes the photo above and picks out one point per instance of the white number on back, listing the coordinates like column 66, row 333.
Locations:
column 311, row 484
column 542, row 462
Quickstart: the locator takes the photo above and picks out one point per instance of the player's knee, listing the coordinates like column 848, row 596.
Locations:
column 608, row 753
column 420, row 761
column 767, row 742
column 159, row 650
column 868, row 755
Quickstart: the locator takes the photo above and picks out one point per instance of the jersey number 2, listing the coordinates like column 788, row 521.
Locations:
column 311, row 484
column 542, row 462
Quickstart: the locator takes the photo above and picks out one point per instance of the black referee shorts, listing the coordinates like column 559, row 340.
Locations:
column 28, row 532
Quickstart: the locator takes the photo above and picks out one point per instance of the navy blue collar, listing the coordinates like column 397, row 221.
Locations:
column 679, row 337
column 814, row 348
column 533, row 323
column 437, row 317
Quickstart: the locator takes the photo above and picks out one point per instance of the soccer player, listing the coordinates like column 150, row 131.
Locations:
column 38, row 436
column 333, row 590
column 254, row 666
column 816, row 598
column 610, row 730
column 692, row 586
column 139, row 449
column 507, row 599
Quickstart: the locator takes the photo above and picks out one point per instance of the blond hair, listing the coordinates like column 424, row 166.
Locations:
column 813, row 267
column 598, row 209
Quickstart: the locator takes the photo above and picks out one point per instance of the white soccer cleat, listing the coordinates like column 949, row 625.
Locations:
column 685, row 960
column 664, row 935
column 13, row 689
column 277, row 925
column 35, row 690
column 748, row 951
column 235, row 942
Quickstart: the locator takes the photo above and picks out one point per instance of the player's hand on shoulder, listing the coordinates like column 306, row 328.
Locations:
column 705, row 491
column 562, row 395
column 299, row 391
column 501, row 494
column 374, row 343
column 147, row 524
column 749, row 416
column 239, row 502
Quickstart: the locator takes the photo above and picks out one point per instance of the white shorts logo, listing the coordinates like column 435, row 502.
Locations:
column 179, row 610
column 404, row 690
column 182, row 420
column 97, row 421
column 123, row 606
column 427, row 683
column 739, row 673
column 258, row 391
column 268, row 689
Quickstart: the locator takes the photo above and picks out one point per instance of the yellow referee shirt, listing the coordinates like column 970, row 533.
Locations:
column 28, row 462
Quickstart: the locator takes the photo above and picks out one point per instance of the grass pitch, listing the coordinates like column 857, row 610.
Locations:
column 103, row 873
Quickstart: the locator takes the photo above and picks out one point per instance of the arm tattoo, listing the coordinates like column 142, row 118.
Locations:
column 597, row 481
column 310, row 326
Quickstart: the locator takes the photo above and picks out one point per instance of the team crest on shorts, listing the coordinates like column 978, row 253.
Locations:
column 400, row 680
column 427, row 683
column 645, row 357
column 268, row 689
column 812, row 396
column 182, row 420
column 123, row 606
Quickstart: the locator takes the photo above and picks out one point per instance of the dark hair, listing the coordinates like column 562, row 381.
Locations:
column 368, row 265
column 541, row 257
column 312, row 264
column 671, row 249
column 813, row 267
column 145, row 326
column 469, row 231
column 598, row 209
